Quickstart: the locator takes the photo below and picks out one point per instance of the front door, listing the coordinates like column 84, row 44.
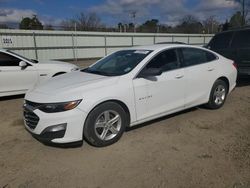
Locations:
column 155, row 96
column 12, row 77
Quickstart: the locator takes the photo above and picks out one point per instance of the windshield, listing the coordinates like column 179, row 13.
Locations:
column 25, row 58
column 118, row 63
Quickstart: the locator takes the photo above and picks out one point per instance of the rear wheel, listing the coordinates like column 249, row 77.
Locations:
column 105, row 124
column 218, row 95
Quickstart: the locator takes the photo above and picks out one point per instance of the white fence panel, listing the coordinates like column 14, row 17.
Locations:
column 118, row 41
column 143, row 40
column 78, row 45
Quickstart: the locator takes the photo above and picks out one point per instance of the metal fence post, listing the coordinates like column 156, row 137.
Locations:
column 172, row 38
column 132, row 40
column 34, row 39
column 188, row 39
column 154, row 39
column 105, row 43
column 76, row 46
column 73, row 47
column 204, row 40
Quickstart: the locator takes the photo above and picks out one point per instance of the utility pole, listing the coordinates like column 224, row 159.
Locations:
column 133, row 15
column 243, row 13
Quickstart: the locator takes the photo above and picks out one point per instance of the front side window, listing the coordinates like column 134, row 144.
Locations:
column 25, row 58
column 194, row 56
column 166, row 60
column 118, row 63
column 8, row 60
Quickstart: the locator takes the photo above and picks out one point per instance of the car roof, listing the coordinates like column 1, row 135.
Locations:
column 234, row 30
column 160, row 46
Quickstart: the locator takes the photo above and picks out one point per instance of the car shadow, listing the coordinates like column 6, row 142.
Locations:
column 243, row 81
column 62, row 146
column 162, row 119
column 11, row 97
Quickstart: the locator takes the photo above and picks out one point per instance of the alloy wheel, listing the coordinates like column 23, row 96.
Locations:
column 219, row 94
column 108, row 125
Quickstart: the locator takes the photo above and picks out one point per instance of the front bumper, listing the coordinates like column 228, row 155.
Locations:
column 58, row 128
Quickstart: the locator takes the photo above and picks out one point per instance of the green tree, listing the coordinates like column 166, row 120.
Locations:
column 31, row 23
column 150, row 26
column 120, row 26
column 131, row 27
column 236, row 20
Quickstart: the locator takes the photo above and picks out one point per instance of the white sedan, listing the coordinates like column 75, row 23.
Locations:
column 124, row 89
column 18, row 74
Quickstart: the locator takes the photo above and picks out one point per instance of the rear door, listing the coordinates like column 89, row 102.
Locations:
column 241, row 44
column 200, row 71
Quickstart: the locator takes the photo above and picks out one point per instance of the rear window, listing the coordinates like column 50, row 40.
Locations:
column 221, row 41
column 241, row 39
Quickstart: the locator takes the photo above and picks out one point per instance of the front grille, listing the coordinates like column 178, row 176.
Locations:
column 30, row 118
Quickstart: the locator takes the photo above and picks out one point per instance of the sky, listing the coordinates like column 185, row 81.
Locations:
column 112, row 12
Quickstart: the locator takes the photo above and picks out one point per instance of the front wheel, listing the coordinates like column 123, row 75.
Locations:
column 218, row 95
column 105, row 124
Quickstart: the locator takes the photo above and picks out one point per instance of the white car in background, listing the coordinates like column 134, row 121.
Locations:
column 18, row 74
column 124, row 89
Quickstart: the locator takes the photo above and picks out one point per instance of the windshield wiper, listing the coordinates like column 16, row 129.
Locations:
column 95, row 72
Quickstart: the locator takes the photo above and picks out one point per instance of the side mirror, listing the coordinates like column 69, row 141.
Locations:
column 23, row 64
column 150, row 72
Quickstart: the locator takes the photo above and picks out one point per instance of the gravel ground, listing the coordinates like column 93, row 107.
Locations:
column 195, row 148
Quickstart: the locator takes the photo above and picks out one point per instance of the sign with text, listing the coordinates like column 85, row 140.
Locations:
column 7, row 41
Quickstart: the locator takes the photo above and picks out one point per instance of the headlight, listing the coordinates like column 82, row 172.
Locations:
column 59, row 107
column 75, row 69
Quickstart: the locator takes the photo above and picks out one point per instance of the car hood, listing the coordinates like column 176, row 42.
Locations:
column 52, row 62
column 68, row 87
column 56, row 63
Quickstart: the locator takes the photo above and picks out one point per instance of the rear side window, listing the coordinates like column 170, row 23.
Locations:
column 193, row 56
column 210, row 56
column 166, row 60
column 8, row 60
column 221, row 41
column 241, row 39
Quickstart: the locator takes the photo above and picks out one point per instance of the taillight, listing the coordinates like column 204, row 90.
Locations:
column 235, row 65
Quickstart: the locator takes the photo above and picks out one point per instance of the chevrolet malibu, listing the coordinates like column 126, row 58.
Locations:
column 124, row 89
column 18, row 74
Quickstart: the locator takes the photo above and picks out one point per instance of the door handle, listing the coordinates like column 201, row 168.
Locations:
column 179, row 76
column 210, row 69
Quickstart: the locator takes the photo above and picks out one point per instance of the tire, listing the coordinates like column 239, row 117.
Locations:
column 218, row 95
column 99, row 130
